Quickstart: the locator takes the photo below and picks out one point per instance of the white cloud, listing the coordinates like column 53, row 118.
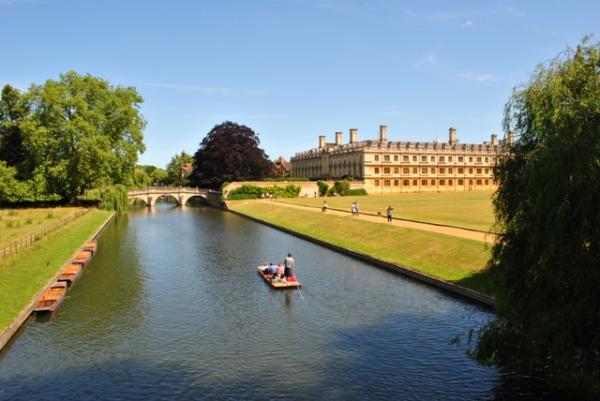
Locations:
column 468, row 24
column 478, row 77
column 205, row 90
column 429, row 60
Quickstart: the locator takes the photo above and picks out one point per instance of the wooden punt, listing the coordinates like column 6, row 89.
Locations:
column 82, row 258
column 71, row 273
column 91, row 246
column 278, row 285
column 52, row 297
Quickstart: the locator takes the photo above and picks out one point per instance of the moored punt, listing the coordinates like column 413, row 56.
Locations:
column 52, row 297
column 91, row 246
column 82, row 258
column 71, row 273
column 278, row 284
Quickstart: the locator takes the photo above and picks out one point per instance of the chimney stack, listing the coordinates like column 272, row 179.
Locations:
column 321, row 141
column 452, row 140
column 511, row 138
column 383, row 133
column 494, row 139
column 339, row 137
column 353, row 135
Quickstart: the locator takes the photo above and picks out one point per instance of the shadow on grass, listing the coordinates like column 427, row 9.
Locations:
column 482, row 281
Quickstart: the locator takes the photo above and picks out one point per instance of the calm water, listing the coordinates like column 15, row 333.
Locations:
column 172, row 308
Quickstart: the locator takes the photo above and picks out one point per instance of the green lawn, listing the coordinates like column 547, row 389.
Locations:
column 24, row 274
column 17, row 223
column 460, row 209
column 458, row 260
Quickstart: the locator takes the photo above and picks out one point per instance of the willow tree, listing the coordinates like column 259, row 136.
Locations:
column 548, row 206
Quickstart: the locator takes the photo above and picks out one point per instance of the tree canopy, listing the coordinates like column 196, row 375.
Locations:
column 548, row 207
column 177, row 166
column 229, row 152
column 71, row 134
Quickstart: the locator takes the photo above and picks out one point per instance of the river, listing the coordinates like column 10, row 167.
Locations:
column 171, row 307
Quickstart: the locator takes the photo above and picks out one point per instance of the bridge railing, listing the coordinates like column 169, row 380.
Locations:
column 170, row 190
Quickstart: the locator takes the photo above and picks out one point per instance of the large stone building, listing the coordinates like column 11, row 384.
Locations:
column 394, row 166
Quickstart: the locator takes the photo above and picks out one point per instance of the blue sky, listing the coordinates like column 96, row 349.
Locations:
column 296, row 69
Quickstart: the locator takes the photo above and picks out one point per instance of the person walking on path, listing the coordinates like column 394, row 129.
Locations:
column 289, row 266
column 389, row 211
column 354, row 209
column 325, row 206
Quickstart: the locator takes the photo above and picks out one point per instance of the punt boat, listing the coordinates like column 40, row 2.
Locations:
column 83, row 258
column 277, row 284
column 91, row 246
column 71, row 273
column 52, row 297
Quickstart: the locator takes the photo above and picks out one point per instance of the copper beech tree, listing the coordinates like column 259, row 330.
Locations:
column 229, row 152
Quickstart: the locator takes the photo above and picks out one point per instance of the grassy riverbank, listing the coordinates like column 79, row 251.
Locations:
column 460, row 261
column 24, row 274
column 460, row 209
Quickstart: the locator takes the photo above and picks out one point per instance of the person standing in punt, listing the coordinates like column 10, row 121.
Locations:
column 289, row 265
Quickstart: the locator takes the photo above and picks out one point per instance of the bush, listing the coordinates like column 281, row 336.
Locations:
column 113, row 197
column 323, row 188
column 356, row 192
column 254, row 192
column 341, row 187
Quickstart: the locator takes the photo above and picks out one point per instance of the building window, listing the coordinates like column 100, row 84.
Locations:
column 487, row 182
column 470, row 160
column 487, row 159
column 442, row 170
column 376, row 170
column 450, row 182
column 376, row 158
column 449, row 158
column 460, row 182
column 470, row 171
column 414, row 158
column 460, row 159
column 396, row 183
column 386, row 183
column 405, row 170
column 442, row 182
column 450, row 170
column 487, row 170
column 479, row 160
column 478, row 171
column 386, row 158
column 405, row 183
column 423, row 158
column 470, row 182
column 396, row 170
column 478, row 182
column 395, row 158
column 386, row 170
column 424, row 183
column 433, row 183
column 414, row 170
column 405, row 158
column 414, row 183
column 376, row 183
column 424, row 170
column 432, row 170
column 461, row 171
column 432, row 158
column 442, row 158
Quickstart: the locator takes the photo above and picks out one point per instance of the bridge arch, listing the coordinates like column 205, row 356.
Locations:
column 181, row 195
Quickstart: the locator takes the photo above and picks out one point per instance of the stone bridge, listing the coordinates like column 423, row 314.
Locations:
column 181, row 195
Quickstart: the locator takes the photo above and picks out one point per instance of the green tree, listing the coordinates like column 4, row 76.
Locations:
column 548, row 207
column 177, row 169
column 229, row 152
column 13, row 109
column 82, row 133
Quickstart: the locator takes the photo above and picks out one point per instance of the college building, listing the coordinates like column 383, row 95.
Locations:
column 395, row 166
